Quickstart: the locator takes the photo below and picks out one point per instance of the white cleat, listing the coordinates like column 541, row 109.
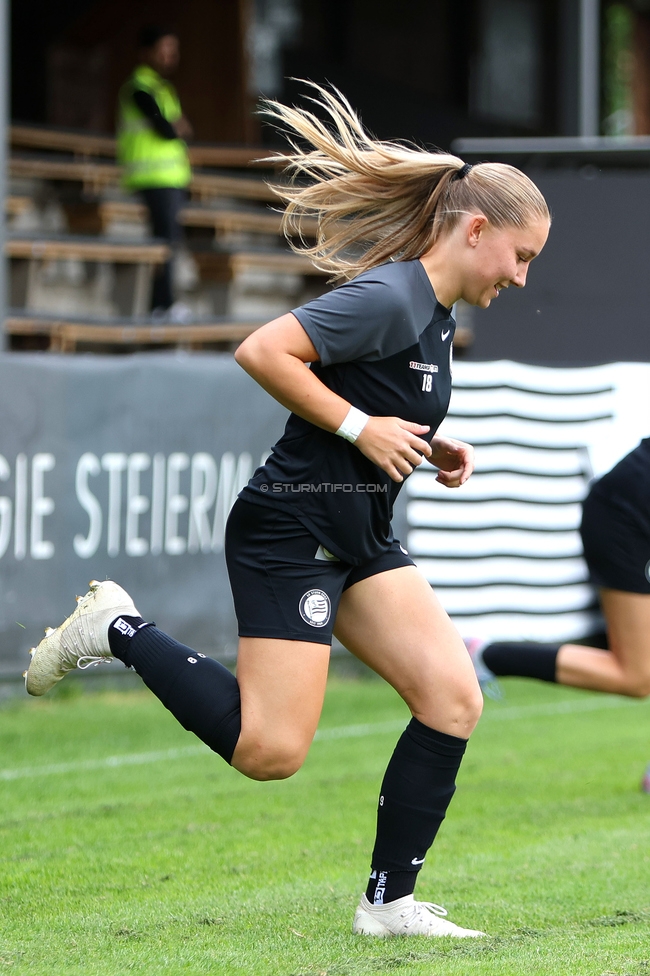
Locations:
column 81, row 640
column 487, row 679
column 405, row 916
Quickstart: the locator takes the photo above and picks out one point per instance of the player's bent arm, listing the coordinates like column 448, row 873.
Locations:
column 276, row 356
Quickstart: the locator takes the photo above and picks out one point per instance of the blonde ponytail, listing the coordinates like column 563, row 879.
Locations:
column 376, row 201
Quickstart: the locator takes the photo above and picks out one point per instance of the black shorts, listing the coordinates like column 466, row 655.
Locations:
column 616, row 545
column 284, row 584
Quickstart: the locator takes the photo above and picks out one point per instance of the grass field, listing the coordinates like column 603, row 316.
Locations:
column 164, row 860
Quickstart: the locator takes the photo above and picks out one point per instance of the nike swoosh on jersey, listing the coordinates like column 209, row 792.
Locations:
column 445, row 335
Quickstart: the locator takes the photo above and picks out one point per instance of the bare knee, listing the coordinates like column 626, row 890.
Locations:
column 267, row 761
column 459, row 713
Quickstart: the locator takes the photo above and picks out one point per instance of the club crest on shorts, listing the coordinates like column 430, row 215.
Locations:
column 315, row 608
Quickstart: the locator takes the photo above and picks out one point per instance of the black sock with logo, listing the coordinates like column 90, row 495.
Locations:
column 417, row 789
column 385, row 886
column 198, row 691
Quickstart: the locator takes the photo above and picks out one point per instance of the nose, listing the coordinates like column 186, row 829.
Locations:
column 519, row 279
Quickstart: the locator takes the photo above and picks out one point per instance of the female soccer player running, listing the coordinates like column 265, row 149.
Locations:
column 365, row 371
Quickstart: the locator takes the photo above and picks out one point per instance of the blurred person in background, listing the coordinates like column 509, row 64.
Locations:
column 152, row 150
column 615, row 534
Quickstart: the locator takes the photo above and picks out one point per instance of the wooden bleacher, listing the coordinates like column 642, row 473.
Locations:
column 61, row 334
column 97, row 177
column 88, row 145
column 27, row 254
column 100, row 216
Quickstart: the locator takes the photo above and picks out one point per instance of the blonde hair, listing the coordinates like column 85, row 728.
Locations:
column 376, row 201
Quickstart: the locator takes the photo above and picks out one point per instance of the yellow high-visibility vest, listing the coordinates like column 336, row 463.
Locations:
column 148, row 159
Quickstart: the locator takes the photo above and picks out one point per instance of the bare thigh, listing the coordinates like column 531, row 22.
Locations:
column 282, row 686
column 625, row 668
column 395, row 624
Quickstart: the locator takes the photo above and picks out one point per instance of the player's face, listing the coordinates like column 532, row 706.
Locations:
column 500, row 257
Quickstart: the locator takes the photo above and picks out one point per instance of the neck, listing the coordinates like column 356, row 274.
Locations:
column 441, row 272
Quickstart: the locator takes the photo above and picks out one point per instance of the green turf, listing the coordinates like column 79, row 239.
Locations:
column 183, row 866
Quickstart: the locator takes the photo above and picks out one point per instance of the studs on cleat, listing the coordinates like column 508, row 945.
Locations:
column 78, row 598
column 24, row 674
column 93, row 585
column 32, row 651
column 49, row 630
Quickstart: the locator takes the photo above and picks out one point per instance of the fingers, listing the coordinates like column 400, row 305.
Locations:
column 394, row 445
column 417, row 442
column 454, row 459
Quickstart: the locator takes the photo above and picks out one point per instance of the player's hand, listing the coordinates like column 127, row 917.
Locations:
column 455, row 461
column 394, row 445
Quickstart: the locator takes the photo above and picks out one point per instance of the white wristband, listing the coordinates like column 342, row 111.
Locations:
column 355, row 421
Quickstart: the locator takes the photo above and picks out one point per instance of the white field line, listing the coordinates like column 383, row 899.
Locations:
column 496, row 713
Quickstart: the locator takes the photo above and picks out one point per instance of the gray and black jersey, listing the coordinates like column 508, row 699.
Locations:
column 384, row 342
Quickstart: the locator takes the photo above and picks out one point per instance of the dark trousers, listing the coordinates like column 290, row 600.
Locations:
column 163, row 203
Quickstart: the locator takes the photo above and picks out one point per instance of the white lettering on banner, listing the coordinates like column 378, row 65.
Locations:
column 41, row 506
column 175, row 544
column 158, row 504
column 16, row 514
column 136, row 504
column 88, row 546
column 5, row 509
column 162, row 495
column 203, row 491
column 115, row 465
column 20, row 508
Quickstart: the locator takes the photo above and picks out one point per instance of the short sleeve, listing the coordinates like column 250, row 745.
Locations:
column 364, row 319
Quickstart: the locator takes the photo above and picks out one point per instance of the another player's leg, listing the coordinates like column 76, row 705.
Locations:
column 394, row 623
column 623, row 669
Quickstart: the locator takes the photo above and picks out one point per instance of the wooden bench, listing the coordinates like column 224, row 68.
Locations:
column 135, row 261
column 97, row 177
column 98, row 217
column 15, row 205
column 225, row 266
column 88, row 144
column 64, row 335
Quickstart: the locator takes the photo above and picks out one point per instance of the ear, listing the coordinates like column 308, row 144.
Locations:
column 475, row 228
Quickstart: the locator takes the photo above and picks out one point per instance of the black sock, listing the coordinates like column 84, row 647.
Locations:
column 417, row 789
column 523, row 660
column 120, row 633
column 199, row 692
column 385, row 886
